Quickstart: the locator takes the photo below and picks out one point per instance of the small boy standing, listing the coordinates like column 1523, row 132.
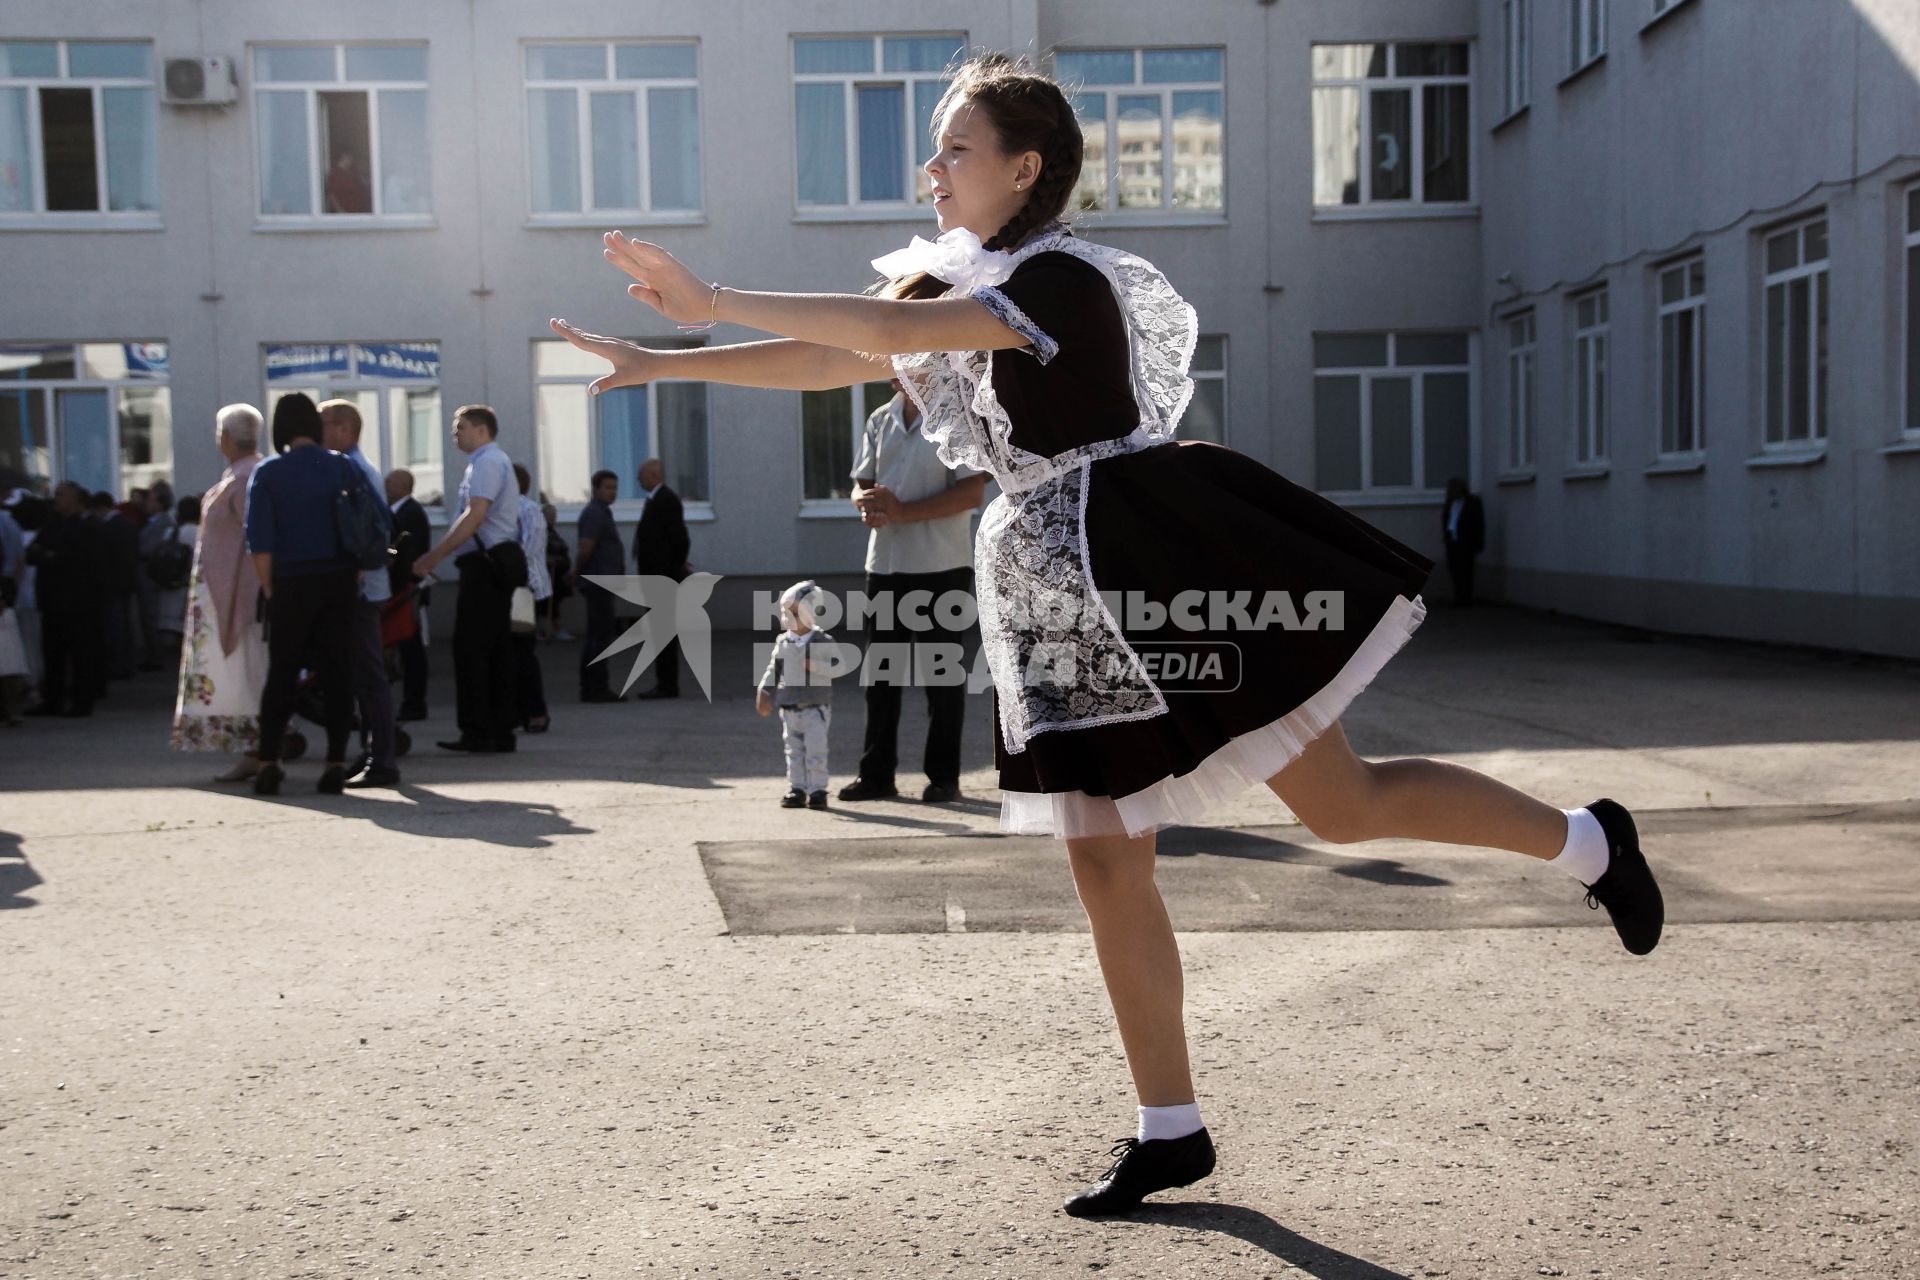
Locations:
column 799, row 680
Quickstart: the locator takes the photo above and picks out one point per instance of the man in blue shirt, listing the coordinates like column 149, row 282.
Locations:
column 340, row 420
column 310, row 585
column 485, row 545
column 600, row 553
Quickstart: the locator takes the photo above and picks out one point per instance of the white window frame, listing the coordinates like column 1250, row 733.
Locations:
column 326, row 386
column 48, row 387
column 1593, row 356
column 1523, row 391
column 1909, row 360
column 913, row 207
column 1110, row 208
column 317, row 216
column 628, row 505
column 592, row 214
column 40, row 217
column 1417, row 204
column 1813, row 432
column 1416, row 374
column 1516, row 56
column 1689, row 304
column 834, row 508
column 1589, row 31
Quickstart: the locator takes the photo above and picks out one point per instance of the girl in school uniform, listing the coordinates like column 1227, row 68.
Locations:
column 1060, row 366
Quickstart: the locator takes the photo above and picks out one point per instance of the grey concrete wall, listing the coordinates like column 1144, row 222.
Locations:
column 1705, row 131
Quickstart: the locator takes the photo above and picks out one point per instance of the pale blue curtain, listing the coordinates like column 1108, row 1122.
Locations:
column 623, row 431
column 553, row 136
column 673, row 141
column 16, row 153
column 86, row 439
column 286, row 182
column 683, row 438
column 616, row 150
column 882, row 142
column 406, row 175
column 132, row 181
column 820, row 128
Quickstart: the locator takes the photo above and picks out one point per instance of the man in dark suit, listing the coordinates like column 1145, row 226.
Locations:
column 661, row 547
column 412, row 534
column 120, row 563
column 71, row 589
column 1463, row 528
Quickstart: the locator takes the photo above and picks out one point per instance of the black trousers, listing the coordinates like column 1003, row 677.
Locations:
column 600, row 633
column 72, row 644
column 413, row 663
column 310, row 617
column 485, row 673
column 530, row 693
column 946, row 703
column 1460, row 569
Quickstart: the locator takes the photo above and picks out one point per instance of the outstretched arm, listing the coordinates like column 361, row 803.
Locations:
column 854, row 321
column 783, row 364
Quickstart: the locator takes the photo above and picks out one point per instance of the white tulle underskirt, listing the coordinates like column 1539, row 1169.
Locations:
column 1242, row 762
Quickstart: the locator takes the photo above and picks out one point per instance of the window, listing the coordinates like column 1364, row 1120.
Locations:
column 77, row 132
column 1154, row 123
column 579, row 434
column 1390, row 125
column 1589, row 29
column 831, row 423
column 613, row 128
column 97, row 413
column 1206, row 417
column 1521, row 399
column 1392, row 412
column 1796, row 336
column 396, row 387
column 1683, row 355
column 342, row 130
column 1517, row 51
column 1912, row 421
column 1590, row 355
column 863, row 117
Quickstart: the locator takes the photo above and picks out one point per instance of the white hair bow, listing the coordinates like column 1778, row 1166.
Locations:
column 958, row 257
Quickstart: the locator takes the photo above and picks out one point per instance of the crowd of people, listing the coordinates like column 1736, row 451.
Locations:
column 298, row 586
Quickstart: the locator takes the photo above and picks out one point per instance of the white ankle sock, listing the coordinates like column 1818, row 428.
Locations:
column 1585, row 856
column 1160, row 1123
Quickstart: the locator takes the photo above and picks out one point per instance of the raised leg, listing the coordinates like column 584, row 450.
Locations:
column 1139, row 960
column 1344, row 799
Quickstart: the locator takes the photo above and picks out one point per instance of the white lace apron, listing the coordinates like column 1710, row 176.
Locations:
column 1058, row 658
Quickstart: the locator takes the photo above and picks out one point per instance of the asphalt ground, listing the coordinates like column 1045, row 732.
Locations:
column 601, row 1008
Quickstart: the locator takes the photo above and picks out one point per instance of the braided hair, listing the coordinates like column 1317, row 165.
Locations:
column 1028, row 113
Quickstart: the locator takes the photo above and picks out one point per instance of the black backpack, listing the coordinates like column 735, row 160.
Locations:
column 362, row 520
column 171, row 564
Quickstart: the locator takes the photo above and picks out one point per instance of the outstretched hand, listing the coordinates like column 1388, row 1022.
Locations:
column 661, row 280
column 633, row 365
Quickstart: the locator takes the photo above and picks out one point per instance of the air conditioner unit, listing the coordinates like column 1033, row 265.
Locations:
column 199, row 82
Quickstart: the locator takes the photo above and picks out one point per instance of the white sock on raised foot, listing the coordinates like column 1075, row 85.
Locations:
column 1585, row 856
column 1160, row 1123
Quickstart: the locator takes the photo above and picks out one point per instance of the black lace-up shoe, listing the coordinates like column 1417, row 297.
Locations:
column 862, row 789
column 1627, row 890
column 1142, row 1168
column 794, row 799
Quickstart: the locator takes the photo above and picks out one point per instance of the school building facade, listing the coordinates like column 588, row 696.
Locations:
column 1646, row 272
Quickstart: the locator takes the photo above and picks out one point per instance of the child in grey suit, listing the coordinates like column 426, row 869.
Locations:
column 799, row 680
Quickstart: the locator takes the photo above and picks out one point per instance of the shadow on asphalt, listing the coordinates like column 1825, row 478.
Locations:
column 1186, row 842
column 16, row 877
column 510, row 824
column 1309, row 1256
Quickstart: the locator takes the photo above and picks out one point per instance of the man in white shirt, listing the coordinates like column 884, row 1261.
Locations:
column 485, row 544
column 920, row 514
